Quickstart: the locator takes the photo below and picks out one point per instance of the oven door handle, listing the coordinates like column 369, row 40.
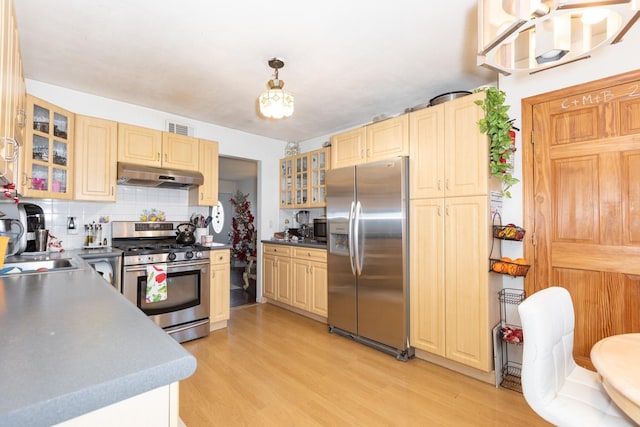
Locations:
column 131, row 268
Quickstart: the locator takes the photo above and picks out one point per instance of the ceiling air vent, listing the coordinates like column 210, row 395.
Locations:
column 179, row 129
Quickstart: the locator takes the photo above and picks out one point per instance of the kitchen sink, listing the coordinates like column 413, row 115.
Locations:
column 38, row 266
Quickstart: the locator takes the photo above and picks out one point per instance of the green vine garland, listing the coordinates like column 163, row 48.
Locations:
column 497, row 124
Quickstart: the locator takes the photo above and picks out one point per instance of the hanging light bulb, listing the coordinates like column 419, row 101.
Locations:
column 275, row 102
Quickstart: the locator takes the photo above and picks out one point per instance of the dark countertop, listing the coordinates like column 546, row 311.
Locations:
column 71, row 344
column 304, row 244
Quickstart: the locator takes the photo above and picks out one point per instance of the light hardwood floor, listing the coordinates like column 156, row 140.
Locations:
column 271, row 367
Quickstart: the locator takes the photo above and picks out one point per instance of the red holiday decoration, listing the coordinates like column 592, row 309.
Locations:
column 243, row 235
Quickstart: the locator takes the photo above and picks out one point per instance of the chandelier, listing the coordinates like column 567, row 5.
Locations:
column 275, row 102
column 533, row 35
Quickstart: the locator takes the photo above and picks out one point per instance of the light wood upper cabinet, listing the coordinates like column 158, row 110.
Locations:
column 388, row 138
column 96, row 151
column 149, row 147
column 287, row 189
column 179, row 152
column 219, row 293
column 449, row 156
column 48, row 151
column 139, row 145
column 302, row 183
column 427, row 147
column 12, row 96
column 348, row 148
column 207, row 193
column 377, row 141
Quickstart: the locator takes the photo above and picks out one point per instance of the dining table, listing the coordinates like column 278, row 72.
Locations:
column 616, row 360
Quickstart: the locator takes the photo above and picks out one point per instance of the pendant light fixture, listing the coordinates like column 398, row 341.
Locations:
column 275, row 102
column 533, row 35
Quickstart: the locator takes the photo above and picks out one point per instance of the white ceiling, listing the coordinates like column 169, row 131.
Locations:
column 345, row 61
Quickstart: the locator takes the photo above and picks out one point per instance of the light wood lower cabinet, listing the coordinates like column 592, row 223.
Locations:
column 296, row 277
column 220, row 279
column 377, row 141
column 310, row 280
column 453, row 295
column 276, row 261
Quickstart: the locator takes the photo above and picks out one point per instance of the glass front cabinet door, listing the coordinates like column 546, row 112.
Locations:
column 319, row 164
column 48, row 151
column 302, row 181
column 286, row 182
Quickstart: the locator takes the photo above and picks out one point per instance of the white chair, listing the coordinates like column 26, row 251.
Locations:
column 557, row 389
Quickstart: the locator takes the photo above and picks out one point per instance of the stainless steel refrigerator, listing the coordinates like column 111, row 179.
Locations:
column 367, row 208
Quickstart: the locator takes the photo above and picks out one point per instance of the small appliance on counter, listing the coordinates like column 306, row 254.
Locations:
column 320, row 229
column 32, row 218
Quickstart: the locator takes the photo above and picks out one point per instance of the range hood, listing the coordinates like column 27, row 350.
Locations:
column 146, row 176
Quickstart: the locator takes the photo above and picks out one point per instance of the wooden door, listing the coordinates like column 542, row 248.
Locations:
column 584, row 200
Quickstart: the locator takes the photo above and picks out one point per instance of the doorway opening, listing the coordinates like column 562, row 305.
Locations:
column 238, row 178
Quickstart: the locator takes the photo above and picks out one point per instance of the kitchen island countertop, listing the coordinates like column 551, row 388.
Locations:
column 71, row 344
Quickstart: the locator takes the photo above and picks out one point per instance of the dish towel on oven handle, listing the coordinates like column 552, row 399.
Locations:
column 156, row 283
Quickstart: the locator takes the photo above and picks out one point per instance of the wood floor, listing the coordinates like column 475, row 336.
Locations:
column 271, row 367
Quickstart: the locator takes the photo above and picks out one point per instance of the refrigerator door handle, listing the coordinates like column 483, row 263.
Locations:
column 356, row 235
column 350, row 228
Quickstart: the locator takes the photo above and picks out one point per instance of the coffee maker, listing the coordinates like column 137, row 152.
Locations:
column 304, row 231
column 32, row 218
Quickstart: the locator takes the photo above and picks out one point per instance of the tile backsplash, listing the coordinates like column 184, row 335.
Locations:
column 131, row 202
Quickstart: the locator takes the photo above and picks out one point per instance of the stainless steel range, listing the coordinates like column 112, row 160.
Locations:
column 181, row 306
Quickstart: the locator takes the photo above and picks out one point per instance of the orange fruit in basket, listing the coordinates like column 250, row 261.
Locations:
column 498, row 267
column 520, row 261
column 506, row 259
column 512, row 269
